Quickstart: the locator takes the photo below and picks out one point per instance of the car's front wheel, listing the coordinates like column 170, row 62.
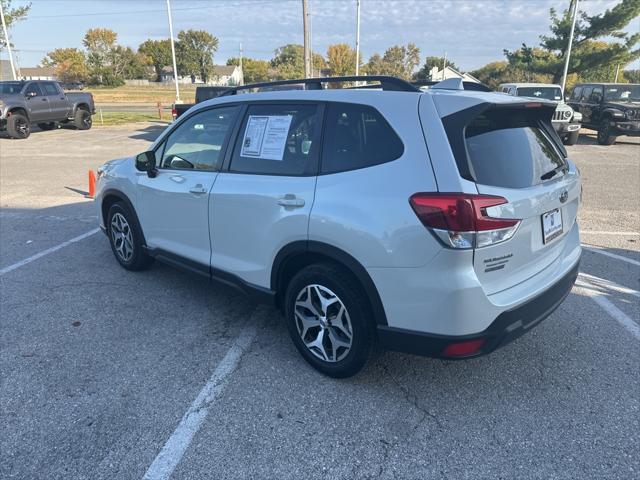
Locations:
column 18, row 126
column 605, row 136
column 329, row 319
column 126, row 238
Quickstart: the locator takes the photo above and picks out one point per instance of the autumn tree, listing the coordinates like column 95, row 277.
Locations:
column 398, row 61
column 194, row 52
column 69, row 64
column 158, row 52
column 587, row 53
column 341, row 59
column 253, row 70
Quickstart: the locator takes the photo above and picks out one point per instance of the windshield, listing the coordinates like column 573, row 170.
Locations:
column 548, row 93
column 622, row 92
column 10, row 87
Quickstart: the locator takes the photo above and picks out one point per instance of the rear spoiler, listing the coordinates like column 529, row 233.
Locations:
column 455, row 124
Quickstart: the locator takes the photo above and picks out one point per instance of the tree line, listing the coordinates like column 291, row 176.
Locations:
column 601, row 48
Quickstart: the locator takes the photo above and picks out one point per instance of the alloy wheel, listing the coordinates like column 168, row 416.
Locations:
column 122, row 237
column 323, row 323
column 22, row 127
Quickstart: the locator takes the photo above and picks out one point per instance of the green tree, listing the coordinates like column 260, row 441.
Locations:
column 631, row 76
column 341, row 59
column 99, row 43
column 69, row 64
column 398, row 61
column 11, row 16
column 289, row 62
column 495, row 73
column 127, row 64
column 253, row 70
column 424, row 74
column 194, row 52
column 159, row 53
column 585, row 56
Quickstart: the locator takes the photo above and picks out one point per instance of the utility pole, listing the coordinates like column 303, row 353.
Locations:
column 568, row 56
column 357, row 37
column 173, row 54
column 444, row 65
column 6, row 37
column 241, row 70
column 305, row 26
column 617, row 72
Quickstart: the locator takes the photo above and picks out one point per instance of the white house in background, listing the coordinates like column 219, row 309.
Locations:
column 438, row 75
column 223, row 75
column 37, row 73
column 5, row 70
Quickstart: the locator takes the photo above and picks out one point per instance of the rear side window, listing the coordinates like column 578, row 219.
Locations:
column 50, row 88
column 510, row 149
column 278, row 140
column 576, row 93
column 357, row 136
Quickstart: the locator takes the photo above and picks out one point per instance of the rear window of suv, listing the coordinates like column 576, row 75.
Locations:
column 510, row 149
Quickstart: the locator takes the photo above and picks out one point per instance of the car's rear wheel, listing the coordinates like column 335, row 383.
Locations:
column 82, row 119
column 18, row 126
column 47, row 126
column 572, row 138
column 605, row 136
column 329, row 319
column 126, row 238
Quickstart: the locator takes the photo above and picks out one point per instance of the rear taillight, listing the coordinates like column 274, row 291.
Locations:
column 460, row 220
column 174, row 113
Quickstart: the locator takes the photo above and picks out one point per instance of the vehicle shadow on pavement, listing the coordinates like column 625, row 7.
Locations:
column 591, row 138
column 149, row 133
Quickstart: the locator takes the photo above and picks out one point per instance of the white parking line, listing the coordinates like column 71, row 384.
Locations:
column 41, row 254
column 173, row 450
column 594, row 249
column 605, row 232
column 597, row 295
column 597, row 282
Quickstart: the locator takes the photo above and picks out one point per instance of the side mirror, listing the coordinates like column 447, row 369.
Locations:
column 31, row 94
column 146, row 162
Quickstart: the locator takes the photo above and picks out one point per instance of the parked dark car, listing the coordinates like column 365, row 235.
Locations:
column 202, row 94
column 612, row 109
column 23, row 103
column 73, row 86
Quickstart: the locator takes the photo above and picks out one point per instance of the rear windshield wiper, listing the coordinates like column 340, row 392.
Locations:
column 553, row 172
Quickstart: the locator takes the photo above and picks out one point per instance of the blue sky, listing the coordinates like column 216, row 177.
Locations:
column 472, row 32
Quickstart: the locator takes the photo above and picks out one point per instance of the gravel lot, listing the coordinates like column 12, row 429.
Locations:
column 98, row 365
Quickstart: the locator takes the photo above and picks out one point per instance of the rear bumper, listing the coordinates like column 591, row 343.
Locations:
column 508, row 326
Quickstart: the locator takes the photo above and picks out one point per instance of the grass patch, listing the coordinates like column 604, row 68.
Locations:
column 122, row 118
column 134, row 94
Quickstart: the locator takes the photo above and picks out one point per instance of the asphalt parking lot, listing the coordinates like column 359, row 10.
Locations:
column 110, row 374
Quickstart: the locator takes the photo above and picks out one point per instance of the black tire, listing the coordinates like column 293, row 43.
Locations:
column 118, row 235
column 18, row 126
column 47, row 126
column 348, row 291
column 82, row 119
column 604, row 134
column 572, row 138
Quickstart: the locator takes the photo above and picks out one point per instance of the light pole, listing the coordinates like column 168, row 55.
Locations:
column 173, row 54
column 6, row 37
column 305, row 28
column 357, row 37
column 568, row 56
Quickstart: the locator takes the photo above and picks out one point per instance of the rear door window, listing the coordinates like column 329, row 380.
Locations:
column 50, row 88
column 357, row 136
column 278, row 139
column 510, row 149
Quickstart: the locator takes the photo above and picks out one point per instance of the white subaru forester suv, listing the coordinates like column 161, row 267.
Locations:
column 439, row 223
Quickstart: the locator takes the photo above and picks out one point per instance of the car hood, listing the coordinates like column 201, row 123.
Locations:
column 8, row 97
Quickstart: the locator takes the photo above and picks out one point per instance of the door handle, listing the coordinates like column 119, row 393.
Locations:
column 291, row 201
column 198, row 189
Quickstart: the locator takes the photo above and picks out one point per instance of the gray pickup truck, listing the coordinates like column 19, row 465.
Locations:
column 24, row 103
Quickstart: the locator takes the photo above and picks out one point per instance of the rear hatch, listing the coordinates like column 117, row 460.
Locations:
column 513, row 152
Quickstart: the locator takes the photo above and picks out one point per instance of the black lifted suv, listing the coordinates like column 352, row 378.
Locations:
column 612, row 109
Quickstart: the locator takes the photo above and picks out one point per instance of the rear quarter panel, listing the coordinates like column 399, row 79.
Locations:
column 366, row 212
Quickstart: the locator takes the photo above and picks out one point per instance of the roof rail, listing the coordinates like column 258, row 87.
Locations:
column 478, row 87
column 387, row 82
